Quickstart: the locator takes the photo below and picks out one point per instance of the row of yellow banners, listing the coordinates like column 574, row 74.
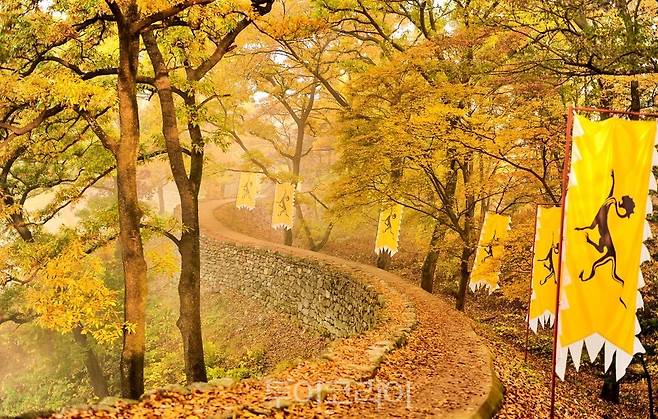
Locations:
column 284, row 199
column 604, row 232
column 605, row 228
column 390, row 219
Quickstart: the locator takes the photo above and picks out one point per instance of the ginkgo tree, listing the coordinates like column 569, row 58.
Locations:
column 77, row 55
column 181, row 56
column 290, row 110
column 57, row 283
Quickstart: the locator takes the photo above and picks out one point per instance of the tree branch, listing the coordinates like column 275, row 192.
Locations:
column 164, row 14
column 111, row 143
column 45, row 114
column 162, row 231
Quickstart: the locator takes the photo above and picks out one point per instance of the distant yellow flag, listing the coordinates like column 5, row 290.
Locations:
column 606, row 204
column 247, row 190
column 488, row 257
column 388, row 229
column 284, row 206
column 544, row 267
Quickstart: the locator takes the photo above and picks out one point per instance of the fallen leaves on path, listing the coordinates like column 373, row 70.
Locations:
column 442, row 368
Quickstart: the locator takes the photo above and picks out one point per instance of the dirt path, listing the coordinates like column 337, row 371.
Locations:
column 444, row 370
column 444, row 363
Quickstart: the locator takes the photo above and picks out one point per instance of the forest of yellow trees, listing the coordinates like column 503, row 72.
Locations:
column 125, row 125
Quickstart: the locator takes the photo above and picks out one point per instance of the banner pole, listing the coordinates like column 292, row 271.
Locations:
column 527, row 324
column 565, row 185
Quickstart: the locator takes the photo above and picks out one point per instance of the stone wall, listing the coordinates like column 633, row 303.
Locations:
column 320, row 296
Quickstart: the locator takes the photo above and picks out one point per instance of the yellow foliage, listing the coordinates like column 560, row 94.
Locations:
column 67, row 290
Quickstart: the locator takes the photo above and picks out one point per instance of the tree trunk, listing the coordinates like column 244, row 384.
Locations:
column 130, row 239
column 301, row 121
column 134, row 269
column 428, row 270
column 312, row 245
column 94, row 370
column 297, row 160
column 636, row 106
column 464, row 276
column 484, row 203
column 189, row 283
column 189, row 287
column 610, row 387
column 305, row 227
column 383, row 259
column 18, row 223
column 439, row 231
column 16, row 218
column 429, row 264
column 189, row 293
column 467, row 236
column 296, row 169
column 287, row 237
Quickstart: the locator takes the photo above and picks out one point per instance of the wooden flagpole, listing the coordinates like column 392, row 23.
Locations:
column 566, row 168
column 527, row 324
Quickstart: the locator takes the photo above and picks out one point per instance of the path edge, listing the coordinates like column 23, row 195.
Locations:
column 494, row 400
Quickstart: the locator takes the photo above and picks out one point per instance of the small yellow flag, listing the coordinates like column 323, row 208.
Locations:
column 247, row 190
column 388, row 230
column 488, row 257
column 544, row 267
column 284, row 206
column 605, row 227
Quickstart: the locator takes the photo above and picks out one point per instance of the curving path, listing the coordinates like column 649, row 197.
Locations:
column 447, row 365
column 421, row 360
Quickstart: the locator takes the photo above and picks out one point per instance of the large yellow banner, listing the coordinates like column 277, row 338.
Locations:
column 605, row 227
column 388, row 229
column 544, row 267
column 247, row 190
column 488, row 257
column 284, row 206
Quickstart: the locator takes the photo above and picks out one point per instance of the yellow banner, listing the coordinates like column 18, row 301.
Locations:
column 247, row 190
column 388, row 230
column 284, row 206
column 488, row 257
column 606, row 204
column 544, row 267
